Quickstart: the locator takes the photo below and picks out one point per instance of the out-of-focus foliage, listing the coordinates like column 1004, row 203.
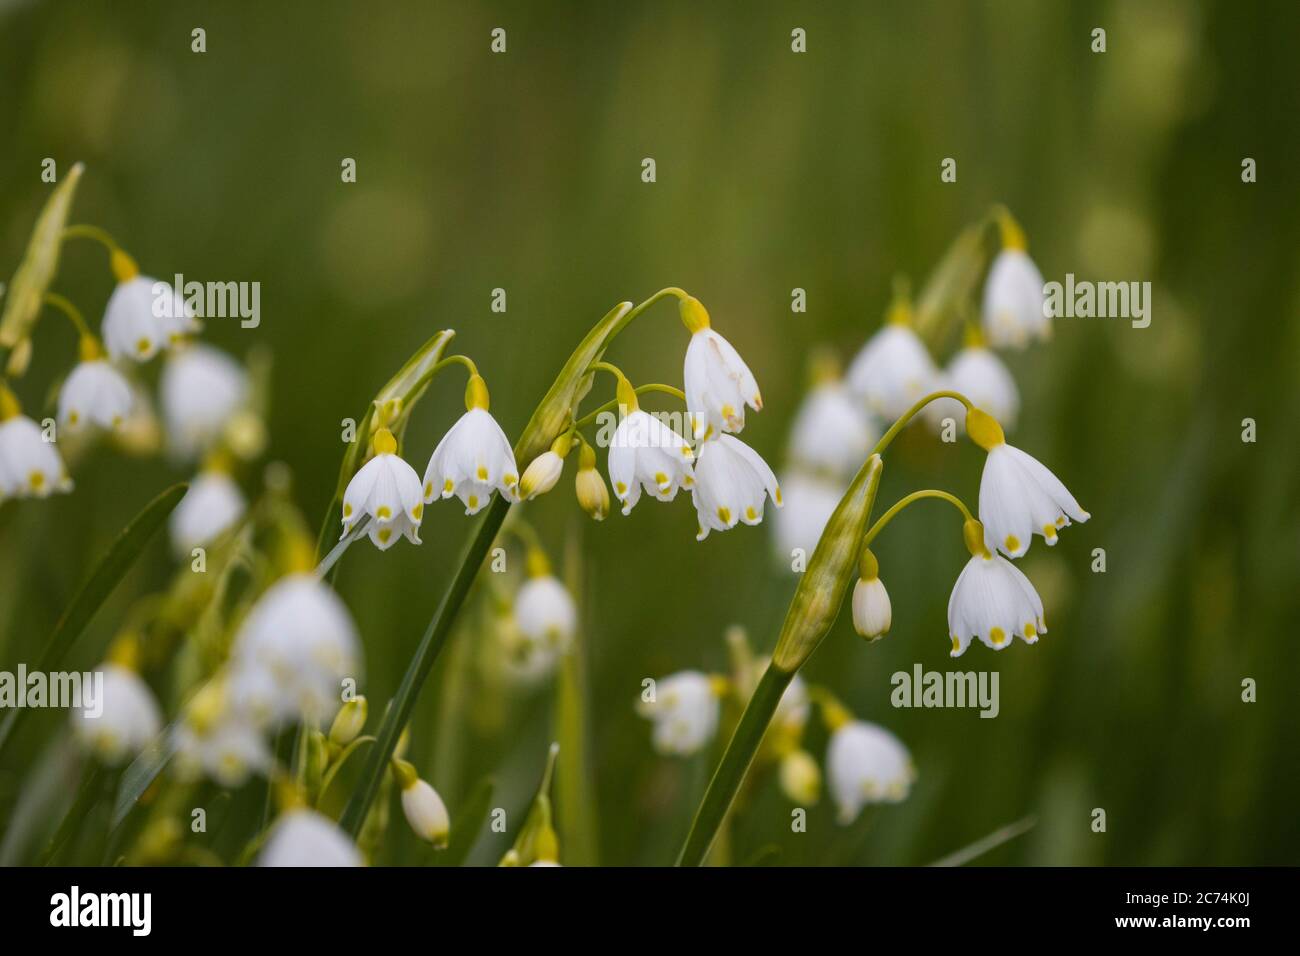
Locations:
column 775, row 170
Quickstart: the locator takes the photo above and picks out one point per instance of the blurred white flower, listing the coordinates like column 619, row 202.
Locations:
column 544, row 611
column 201, row 390
column 646, row 453
column 809, row 500
column 731, row 484
column 303, row 837
column 893, row 371
column 994, row 601
column 866, row 764
column 1013, row 301
column 872, row 614
column 212, row 505
column 831, row 431
column 228, row 750
column 718, row 382
column 981, row 376
column 298, row 642
column 685, row 712
column 130, row 718
column 96, row 393
column 30, row 466
column 144, row 315
column 473, row 459
column 386, row 489
column 793, row 708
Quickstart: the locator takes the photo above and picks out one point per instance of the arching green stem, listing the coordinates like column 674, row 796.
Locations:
column 902, row 503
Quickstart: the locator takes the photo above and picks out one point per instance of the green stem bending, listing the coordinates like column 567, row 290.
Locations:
column 435, row 636
column 909, row 499
column 888, row 437
column 735, row 764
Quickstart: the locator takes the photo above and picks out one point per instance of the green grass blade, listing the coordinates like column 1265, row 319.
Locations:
column 108, row 573
column 471, row 815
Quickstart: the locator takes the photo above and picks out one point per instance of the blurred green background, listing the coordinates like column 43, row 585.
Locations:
column 775, row 170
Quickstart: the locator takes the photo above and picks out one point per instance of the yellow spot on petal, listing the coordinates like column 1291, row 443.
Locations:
column 1030, row 631
column 143, row 345
column 956, row 644
column 750, row 514
column 724, row 515
column 418, row 511
column 473, row 501
column 383, row 513
column 1012, row 543
column 1060, row 522
column 620, row 488
column 385, row 534
column 511, row 480
column 482, row 473
column 448, row 486
column 347, row 511
column 1049, row 532
column 37, row 480
column 728, row 411
column 778, row 495
column 73, row 418
column 997, row 636
column 661, row 478
column 687, row 453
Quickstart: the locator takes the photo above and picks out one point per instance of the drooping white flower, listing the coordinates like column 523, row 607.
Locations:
column 981, row 376
column 30, row 466
column 144, row 315
column 1019, row 496
column 521, row 660
column 201, row 390
column 211, row 506
column 229, row 750
column 866, row 764
column 387, row 490
column 300, row 639
column 808, row 502
column 893, row 370
column 128, row 721
column 424, row 809
column 544, row 611
column 731, row 484
column 1014, row 310
column 872, row 614
column 685, row 712
column 474, row 458
column 96, row 393
column 831, row 431
column 993, row 601
column 718, row 382
column 646, row 453
column 303, row 837
column 541, row 475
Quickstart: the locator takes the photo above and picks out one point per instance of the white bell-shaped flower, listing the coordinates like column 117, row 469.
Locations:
column 424, row 809
column 201, row 390
column 808, row 501
column 143, row 316
column 993, row 601
column 866, row 764
column 387, row 491
column 303, row 837
column 544, row 611
column 893, row 370
column 94, row 392
column 128, row 717
column 831, row 432
column 1019, row 496
column 30, row 466
column 474, row 458
column 212, row 505
column 1014, row 312
column 645, row 453
column 732, row 482
column 872, row 613
column 718, row 382
column 685, row 712
column 300, row 635
column 982, row 377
